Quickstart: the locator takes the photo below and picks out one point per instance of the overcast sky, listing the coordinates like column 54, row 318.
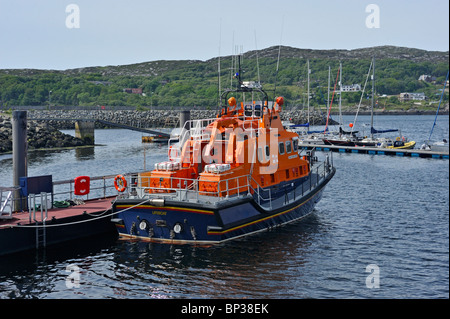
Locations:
column 41, row 34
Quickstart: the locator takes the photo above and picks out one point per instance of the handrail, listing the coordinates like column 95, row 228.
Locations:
column 64, row 190
column 183, row 186
column 7, row 200
column 71, row 182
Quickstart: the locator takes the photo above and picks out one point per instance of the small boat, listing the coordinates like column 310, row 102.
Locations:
column 226, row 177
column 399, row 144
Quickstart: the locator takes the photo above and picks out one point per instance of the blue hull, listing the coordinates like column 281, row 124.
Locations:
column 186, row 222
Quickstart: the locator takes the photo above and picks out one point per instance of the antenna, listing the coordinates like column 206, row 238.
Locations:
column 218, row 67
column 278, row 60
column 257, row 60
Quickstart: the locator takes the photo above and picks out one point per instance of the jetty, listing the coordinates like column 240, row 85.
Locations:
column 48, row 212
column 376, row 151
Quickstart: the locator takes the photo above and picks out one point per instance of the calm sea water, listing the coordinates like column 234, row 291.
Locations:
column 383, row 223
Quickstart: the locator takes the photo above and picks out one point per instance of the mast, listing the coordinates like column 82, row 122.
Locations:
column 373, row 97
column 437, row 112
column 309, row 71
column 328, row 99
column 341, row 122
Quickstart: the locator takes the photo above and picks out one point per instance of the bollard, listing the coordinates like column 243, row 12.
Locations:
column 19, row 139
column 184, row 117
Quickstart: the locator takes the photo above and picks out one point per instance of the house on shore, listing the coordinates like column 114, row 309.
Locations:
column 412, row 97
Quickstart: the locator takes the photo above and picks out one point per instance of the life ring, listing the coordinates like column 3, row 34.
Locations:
column 120, row 183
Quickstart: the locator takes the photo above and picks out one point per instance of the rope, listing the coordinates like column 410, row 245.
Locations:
column 77, row 222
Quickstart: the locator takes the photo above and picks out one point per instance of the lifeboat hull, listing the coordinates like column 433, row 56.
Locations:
column 184, row 222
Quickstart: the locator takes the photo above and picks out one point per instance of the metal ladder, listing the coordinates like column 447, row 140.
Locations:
column 6, row 202
column 41, row 231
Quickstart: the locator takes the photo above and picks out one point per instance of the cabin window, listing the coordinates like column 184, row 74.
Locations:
column 288, row 147
column 281, row 148
column 248, row 110
column 257, row 111
column 295, row 144
column 267, row 153
column 260, row 155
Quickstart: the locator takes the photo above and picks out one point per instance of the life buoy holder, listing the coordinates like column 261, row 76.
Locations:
column 120, row 183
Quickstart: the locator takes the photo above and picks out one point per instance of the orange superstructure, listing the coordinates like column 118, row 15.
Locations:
column 221, row 155
column 226, row 177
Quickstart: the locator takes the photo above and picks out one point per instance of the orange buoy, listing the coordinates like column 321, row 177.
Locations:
column 280, row 100
column 232, row 101
column 351, row 125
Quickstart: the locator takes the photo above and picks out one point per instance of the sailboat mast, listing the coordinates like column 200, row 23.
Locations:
column 373, row 97
column 328, row 99
column 437, row 112
column 309, row 71
column 341, row 121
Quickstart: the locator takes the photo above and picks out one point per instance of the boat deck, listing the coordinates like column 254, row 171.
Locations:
column 95, row 206
column 264, row 197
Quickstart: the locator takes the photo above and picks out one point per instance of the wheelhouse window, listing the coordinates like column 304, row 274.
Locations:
column 281, row 148
column 267, row 153
column 288, row 147
column 295, row 144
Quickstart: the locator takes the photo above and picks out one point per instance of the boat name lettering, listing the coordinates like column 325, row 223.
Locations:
column 293, row 156
column 159, row 212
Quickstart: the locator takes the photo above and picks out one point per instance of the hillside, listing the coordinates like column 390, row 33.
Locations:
column 195, row 83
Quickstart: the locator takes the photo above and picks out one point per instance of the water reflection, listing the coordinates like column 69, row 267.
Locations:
column 258, row 266
column 85, row 153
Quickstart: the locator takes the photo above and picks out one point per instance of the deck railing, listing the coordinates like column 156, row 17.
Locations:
column 100, row 187
column 180, row 189
column 186, row 189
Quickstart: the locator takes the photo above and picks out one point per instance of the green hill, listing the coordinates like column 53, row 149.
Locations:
column 195, row 83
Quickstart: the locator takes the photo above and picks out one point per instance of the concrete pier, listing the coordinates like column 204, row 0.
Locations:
column 85, row 130
column 376, row 151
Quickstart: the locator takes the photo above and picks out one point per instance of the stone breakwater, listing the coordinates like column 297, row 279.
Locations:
column 39, row 136
column 152, row 119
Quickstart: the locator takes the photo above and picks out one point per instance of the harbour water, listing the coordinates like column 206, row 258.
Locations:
column 381, row 230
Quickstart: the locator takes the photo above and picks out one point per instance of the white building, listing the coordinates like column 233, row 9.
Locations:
column 412, row 96
column 427, row 78
column 351, row 88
